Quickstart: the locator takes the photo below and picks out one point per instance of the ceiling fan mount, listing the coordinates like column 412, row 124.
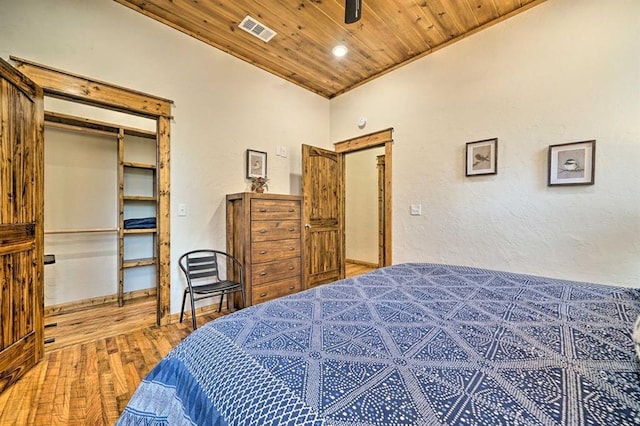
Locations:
column 352, row 11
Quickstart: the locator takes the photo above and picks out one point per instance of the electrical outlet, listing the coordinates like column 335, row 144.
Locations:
column 416, row 209
column 182, row 209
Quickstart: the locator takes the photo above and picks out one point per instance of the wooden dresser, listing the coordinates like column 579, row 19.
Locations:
column 264, row 232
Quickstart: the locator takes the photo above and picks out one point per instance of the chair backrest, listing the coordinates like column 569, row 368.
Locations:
column 200, row 265
column 209, row 265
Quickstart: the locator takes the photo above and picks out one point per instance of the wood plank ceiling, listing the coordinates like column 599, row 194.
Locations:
column 390, row 34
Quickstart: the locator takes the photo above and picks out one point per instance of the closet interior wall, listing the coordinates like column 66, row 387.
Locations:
column 97, row 176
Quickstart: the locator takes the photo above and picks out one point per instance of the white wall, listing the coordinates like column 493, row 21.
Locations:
column 561, row 72
column 222, row 105
column 80, row 192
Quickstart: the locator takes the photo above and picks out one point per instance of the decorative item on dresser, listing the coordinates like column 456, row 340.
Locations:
column 259, row 184
column 264, row 231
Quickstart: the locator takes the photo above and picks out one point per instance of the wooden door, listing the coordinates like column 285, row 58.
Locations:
column 323, row 213
column 21, row 219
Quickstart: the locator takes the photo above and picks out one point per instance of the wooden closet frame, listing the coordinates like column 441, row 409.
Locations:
column 75, row 88
column 381, row 138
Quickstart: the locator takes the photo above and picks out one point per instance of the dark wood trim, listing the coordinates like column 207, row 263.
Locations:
column 81, row 123
column 370, row 140
column 69, row 86
column 163, row 192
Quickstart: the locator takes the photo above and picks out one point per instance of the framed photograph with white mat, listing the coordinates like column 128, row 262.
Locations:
column 482, row 157
column 572, row 163
column 256, row 164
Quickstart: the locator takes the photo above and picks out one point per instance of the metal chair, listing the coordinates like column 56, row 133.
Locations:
column 202, row 271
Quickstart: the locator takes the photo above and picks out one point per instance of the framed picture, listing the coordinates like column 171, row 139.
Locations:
column 572, row 163
column 256, row 164
column 482, row 157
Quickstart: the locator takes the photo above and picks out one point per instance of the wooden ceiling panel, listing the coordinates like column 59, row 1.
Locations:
column 390, row 34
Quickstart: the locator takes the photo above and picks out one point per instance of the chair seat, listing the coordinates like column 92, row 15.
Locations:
column 216, row 287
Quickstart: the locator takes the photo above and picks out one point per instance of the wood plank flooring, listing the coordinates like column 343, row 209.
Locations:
column 353, row 269
column 86, row 325
column 98, row 359
column 88, row 375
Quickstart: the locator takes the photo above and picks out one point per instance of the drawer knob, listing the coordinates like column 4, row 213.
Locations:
column 263, row 252
column 263, row 294
column 263, row 231
column 291, row 287
column 291, row 268
column 292, row 248
column 291, row 210
column 263, row 210
column 292, row 229
column 263, row 274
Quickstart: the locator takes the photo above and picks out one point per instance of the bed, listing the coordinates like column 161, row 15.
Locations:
column 411, row 344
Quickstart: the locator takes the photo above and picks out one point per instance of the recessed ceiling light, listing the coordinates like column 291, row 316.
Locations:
column 339, row 51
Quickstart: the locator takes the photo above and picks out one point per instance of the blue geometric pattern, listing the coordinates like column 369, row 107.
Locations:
column 411, row 344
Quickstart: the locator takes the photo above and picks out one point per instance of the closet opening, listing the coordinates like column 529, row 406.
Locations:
column 364, row 210
column 100, row 206
column 106, row 202
column 367, row 194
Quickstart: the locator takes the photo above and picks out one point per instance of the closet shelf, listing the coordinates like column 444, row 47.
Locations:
column 138, row 165
column 139, row 198
column 141, row 231
column 65, row 121
column 132, row 263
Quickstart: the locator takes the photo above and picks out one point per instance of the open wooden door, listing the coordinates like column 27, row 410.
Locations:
column 323, row 213
column 21, row 221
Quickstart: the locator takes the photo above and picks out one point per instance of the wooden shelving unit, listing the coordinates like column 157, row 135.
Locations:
column 125, row 199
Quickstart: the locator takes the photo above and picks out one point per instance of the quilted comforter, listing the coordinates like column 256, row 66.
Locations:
column 412, row 344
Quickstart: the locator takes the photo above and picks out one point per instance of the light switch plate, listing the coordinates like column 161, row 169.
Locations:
column 182, row 209
column 416, row 209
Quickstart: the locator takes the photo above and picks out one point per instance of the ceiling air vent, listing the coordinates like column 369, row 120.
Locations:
column 252, row 26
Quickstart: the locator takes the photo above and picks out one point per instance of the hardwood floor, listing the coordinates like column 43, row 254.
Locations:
column 89, row 374
column 354, row 269
column 86, row 325
column 98, row 359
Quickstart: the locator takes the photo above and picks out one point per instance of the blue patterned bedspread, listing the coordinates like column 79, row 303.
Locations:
column 412, row 344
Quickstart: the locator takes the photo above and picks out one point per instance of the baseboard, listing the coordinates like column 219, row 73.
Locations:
column 78, row 305
column 213, row 308
column 363, row 263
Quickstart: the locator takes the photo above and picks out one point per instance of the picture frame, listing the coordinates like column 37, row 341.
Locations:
column 572, row 163
column 256, row 164
column 481, row 157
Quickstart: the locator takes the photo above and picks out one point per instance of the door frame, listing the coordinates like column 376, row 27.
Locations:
column 75, row 88
column 380, row 159
column 382, row 138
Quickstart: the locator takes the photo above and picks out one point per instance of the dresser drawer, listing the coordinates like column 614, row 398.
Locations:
column 271, row 230
column 270, row 291
column 268, row 251
column 275, row 209
column 262, row 273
